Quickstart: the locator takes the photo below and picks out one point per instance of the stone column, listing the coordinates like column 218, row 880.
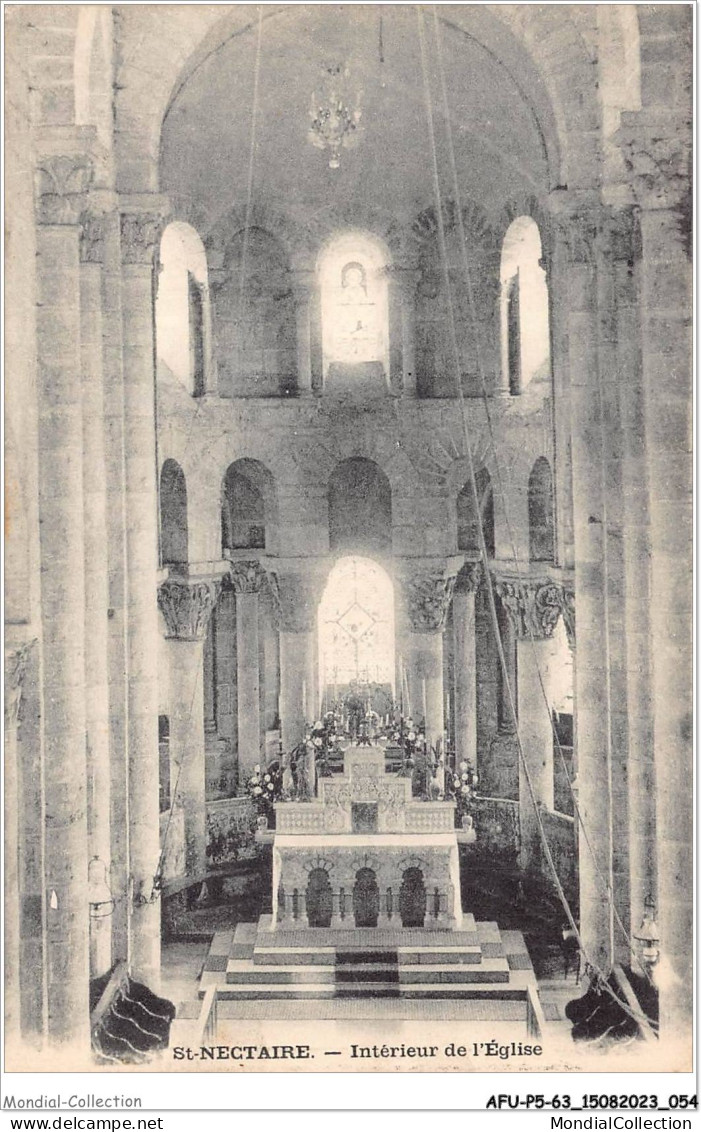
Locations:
column 96, row 573
column 297, row 592
column 61, row 182
column 114, row 437
column 657, row 153
column 140, row 231
column 579, row 224
column 464, row 670
column 303, row 285
column 248, row 578
column 426, row 595
column 534, row 608
column 15, row 664
column 186, row 605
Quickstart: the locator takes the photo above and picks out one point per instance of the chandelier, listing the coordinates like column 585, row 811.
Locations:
column 334, row 122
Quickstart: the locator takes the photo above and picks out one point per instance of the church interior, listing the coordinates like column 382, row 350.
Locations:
column 348, row 522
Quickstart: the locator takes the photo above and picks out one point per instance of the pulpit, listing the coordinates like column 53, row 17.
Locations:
column 365, row 854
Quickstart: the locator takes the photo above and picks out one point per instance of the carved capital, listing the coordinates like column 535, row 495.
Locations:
column 657, row 155
column 534, row 607
column 469, row 578
column 187, row 606
column 247, row 577
column 92, row 237
column 427, row 595
column 60, row 184
column 15, row 668
column 140, row 235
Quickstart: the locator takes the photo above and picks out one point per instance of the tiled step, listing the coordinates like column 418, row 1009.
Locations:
column 244, row 991
column 491, row 971
column 317, row 956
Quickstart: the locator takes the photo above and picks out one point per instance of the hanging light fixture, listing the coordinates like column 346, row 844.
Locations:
column 648, row 934
column 335, row 123
column 100, row 896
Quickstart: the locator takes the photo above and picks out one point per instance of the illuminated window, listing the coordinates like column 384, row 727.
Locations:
column 525, row 317
column 182, row 307
column 354, row 312
column 356, row 625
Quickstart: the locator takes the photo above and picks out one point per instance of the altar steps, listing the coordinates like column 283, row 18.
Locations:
column 477, row 963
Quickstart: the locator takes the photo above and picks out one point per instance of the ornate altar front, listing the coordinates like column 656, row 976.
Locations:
column 365, row 854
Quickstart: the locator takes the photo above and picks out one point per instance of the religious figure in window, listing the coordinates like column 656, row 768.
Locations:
column 356, row 320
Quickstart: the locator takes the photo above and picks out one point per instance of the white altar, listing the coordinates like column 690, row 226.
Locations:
column 365, row 854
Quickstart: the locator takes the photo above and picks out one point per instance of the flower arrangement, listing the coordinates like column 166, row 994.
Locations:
column 324, row 738
column 459, row 785
column 265, row 788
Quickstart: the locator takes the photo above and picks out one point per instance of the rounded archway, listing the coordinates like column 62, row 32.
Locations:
column 356, row 635
column 182, row 308
column 248, row 507
column 541, row 522
column 525, row 316
column 173, row 514
column 360, row 508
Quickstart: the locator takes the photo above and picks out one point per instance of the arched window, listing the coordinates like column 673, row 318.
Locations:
column 354, row 314
column 360, row 508
column 182, row 307
column 173, row 506
column 468, row 535
column 356, row 631
column 247, row 506
column 524, row 317
column 255, row 318
column 541, row 527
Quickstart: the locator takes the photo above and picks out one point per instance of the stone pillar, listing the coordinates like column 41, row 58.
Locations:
column 114, row 437
column 657, row 153
column 464, row 665
column 534, row 608
column 303, row 284
column 15, row 663
column 186, row 605
column 96, row 573
column 297, row 592
column 247, row 579
column 426, row 595
column 61, row 181
column 575, row 268
column 140, row 231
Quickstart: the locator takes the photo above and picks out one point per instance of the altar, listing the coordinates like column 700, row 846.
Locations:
column 365, row 854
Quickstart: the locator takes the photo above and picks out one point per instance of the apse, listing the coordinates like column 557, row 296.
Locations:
column 360, row 508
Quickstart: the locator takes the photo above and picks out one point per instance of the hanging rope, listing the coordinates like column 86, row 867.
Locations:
column 455, row 351
column 605, row 879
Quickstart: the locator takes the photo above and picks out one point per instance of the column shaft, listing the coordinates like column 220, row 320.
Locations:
column 296, row 670
column 187, row 745
column 535, row 730
column 63, row 611
column 139, row 236
column 248, row 682
column 464, row 678
column 96, row 578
